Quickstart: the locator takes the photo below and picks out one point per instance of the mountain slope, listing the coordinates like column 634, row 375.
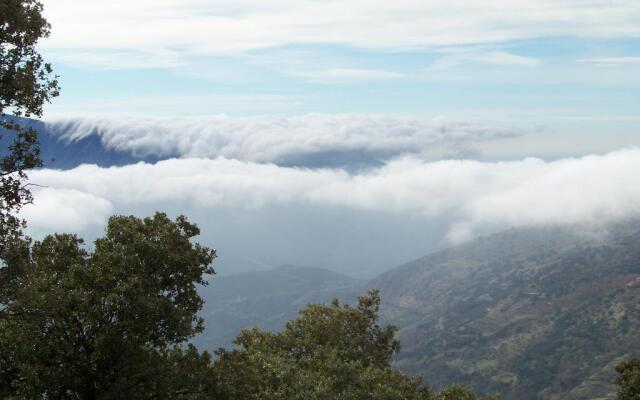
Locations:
column 536, row 313
column 264, row 298
column 61, row 151
column 540, row 313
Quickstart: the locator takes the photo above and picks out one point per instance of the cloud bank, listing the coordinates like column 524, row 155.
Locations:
column 471, row 195
column 278, row 139
column 66, row 210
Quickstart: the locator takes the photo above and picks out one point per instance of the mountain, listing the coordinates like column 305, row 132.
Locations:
column 61, row 151
column 265, row 298
column 66, row 145
column 540, row 313
column 537, row 313
column 531, row 313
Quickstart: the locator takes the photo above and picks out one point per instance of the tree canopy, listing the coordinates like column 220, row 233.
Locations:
column 105, row 324
column 333, row 351
column 329, row 352
column 628, row 379
column 113, row 323
column 26, row 84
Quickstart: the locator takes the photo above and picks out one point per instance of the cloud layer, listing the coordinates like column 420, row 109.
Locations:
column 278, row 139
column 167, row 31
column 472, row 195
column 66, row 210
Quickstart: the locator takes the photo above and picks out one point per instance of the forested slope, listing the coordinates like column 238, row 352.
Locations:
column 533, row 313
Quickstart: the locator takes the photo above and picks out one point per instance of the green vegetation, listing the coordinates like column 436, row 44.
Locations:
column 629, row 379
column 529, row 315
column 26, row 83
column 112, row 323
column 104, row 324
column 542, row 313
column 332, row 351
column 539, row 313
column 459, row 392
column 329, row 352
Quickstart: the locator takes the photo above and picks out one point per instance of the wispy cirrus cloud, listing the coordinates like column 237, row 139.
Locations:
column 611, row 61
column 197, row 27
column 464, row 57
column 120, row 59
column 160, row 105
column 348, row 74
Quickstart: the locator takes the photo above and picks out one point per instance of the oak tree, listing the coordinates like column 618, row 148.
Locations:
column 108, row 323
column 26, row 84
column 331, row 351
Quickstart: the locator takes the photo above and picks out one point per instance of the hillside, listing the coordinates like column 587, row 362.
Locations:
column 264, row 298
column 539, row 313
column 60, row 151
column 535, row 313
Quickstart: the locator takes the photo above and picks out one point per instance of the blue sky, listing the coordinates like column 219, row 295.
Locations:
column 569, row 57
column 419, row 123
column 569, row 68
column 544, row 76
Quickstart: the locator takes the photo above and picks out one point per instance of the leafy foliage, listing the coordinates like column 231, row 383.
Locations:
column 460, row 392
column 629, row 379
column 333, row 351
column 330, row 352
column 109, row 324
column 104, row 324
column 26, row 83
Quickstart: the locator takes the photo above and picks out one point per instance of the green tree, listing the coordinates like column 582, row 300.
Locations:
column 329, row 352
column 107, row 324
column 629, row 379
column 460, row 392
column 26, row 83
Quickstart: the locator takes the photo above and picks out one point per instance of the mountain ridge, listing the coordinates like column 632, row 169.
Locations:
column 60, row 151
column 536, row 313
column 545, row 318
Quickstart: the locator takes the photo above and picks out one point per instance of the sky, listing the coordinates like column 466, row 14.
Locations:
column 313, row 130
column 555, row 60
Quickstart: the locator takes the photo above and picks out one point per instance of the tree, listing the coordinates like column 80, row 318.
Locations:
column 629, row 379
column 26, row 84
column 328, row 352
column 460, row 392
column 108, row 323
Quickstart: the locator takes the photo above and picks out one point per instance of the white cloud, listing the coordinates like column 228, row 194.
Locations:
column 472, row 195
column 197, row 27
column 463, row 57
column 275, row 139
column 611, row 61
column 161, row 105
column 66, row 210
column 349, row 74
column 120, row 59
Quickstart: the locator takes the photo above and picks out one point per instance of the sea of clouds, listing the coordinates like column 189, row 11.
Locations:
column 234, row 177
column 280, row 140
column 471, row 193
